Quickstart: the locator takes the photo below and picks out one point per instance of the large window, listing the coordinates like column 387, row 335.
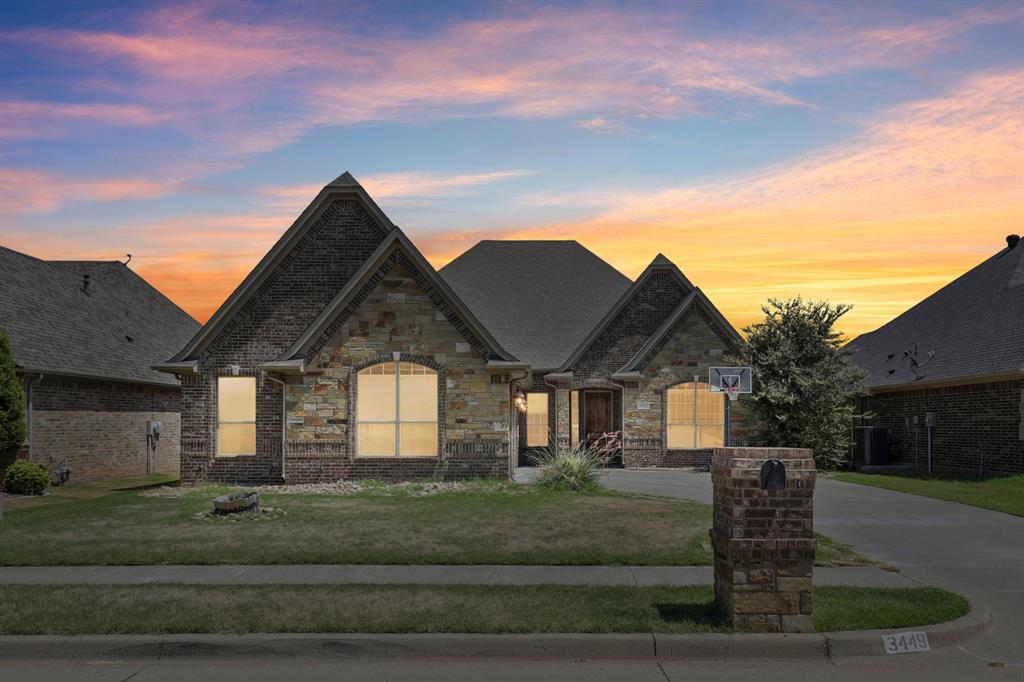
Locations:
column 236, row 416
column 696, row 416
column 536, row 420
column 396, row 411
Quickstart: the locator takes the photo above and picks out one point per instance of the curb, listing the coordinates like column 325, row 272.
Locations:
column 713, row 646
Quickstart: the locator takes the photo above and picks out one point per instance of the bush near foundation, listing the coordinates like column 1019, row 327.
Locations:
column 12, row 406
column 26, row 478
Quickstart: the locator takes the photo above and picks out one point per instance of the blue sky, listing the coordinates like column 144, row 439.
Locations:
column 861, row 152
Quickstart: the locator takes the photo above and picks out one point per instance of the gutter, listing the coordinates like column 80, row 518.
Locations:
column 284, row 421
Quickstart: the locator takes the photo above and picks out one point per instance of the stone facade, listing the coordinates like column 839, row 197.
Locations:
column 395, row 311
column 978, row 427
column 763, row 540
column 100, row 428
column 399, row 317
column 694, row 345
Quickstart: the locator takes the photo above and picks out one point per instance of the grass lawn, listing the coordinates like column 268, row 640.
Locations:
column 485, row 523
column 1005, row 493
column 163, row 609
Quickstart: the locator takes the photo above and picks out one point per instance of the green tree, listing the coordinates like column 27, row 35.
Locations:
column 803, row 381
column 12, row 405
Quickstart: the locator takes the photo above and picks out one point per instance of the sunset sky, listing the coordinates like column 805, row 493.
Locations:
column 862, row 153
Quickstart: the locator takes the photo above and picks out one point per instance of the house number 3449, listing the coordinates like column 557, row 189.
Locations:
column 906, row 642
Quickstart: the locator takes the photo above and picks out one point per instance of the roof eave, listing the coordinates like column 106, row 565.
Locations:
column 178, row 367
column 621, row 303
column 396, row 240
column 273, row 257
column 284, row 366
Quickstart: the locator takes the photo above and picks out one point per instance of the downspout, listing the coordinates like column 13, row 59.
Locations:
column 513, row 417
column 284, row 422
column 28, row 411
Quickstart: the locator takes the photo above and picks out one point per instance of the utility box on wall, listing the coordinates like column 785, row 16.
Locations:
column 763, row 537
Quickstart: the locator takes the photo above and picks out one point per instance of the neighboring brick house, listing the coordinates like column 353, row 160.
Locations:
column 958, row 356
column 84, row 335
column 345, row 354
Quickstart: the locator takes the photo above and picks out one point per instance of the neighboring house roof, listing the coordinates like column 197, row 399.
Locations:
column 974, row 326
column 659, row 264
column 395, row 245
column 116, row 331
column 343, row 186
column 538, row 298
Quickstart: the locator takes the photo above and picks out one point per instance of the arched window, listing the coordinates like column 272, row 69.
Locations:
column 396, row 411
column 695, row 416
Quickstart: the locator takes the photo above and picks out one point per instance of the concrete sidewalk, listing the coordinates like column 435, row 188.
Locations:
column 861, row 576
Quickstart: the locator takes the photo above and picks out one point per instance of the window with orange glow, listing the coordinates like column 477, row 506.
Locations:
column 536, row 420
column 695, row 416
column 396, row 411
column 236, row 416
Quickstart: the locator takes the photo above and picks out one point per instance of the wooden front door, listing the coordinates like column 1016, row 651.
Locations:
column 597, row 413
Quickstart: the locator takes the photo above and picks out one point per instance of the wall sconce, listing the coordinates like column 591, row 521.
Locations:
column 519, row 400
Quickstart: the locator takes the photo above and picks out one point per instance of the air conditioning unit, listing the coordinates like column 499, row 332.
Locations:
column 871, row 447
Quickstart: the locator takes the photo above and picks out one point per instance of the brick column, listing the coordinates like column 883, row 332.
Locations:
column 562, row 417
column 763, row 540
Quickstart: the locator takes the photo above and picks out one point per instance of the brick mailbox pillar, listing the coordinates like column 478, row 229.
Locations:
column 763, row 539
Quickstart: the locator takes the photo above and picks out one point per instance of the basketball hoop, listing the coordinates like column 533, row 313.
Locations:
column 731, row 385
column 732, row 381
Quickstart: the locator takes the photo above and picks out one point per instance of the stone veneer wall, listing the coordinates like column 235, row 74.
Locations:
column 977, row 426
column 398, row 316
column 692, row 347
column 763, row 540
column 100, row 427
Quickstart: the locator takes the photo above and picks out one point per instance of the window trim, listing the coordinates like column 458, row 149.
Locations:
column 698, row 384
column 398, row 421
column 255, row 400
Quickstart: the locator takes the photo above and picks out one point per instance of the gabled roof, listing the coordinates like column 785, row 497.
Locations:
column 696, row 299
column 974, row 326
column 538, row 298
column 116, row 331
column 341, row 187
column 659, row 264
column 395, row 243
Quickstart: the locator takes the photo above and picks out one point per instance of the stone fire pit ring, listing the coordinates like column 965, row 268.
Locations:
column 234, row 503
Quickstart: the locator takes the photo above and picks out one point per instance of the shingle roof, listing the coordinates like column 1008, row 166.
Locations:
column 539, row 299
column 974, row 325
column 54, row 327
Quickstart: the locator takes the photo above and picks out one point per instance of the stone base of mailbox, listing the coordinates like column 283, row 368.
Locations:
column 763, row 540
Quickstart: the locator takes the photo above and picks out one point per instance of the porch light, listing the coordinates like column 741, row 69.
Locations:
column 519, row 400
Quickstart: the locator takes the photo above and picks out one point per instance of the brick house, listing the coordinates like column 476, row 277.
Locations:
column 950, row 372
column 84, row 335
column 344, row 354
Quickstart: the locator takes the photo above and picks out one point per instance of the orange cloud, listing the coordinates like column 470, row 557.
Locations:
column 879, row 221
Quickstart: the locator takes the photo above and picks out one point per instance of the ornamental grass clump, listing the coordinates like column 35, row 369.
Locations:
column 577, row 467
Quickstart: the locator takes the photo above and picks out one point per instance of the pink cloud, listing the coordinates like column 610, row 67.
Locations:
column 21, row 119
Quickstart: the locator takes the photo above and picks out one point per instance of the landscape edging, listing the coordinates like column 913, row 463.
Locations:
column 547, row 646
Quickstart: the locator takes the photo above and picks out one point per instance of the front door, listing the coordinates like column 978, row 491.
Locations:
column 597, row 418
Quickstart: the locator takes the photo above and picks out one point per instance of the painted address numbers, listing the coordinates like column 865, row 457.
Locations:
column 906, row 642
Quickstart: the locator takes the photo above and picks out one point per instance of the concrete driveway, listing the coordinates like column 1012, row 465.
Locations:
column 976, row 552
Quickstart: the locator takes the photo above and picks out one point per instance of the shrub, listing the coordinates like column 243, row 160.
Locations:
column 12, row 406
column 572, row 468
column 26, row 478
column 804, row 382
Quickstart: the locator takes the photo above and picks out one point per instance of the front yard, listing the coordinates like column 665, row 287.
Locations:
column 162, row 609
column 1005, row 493
column 479, row 523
